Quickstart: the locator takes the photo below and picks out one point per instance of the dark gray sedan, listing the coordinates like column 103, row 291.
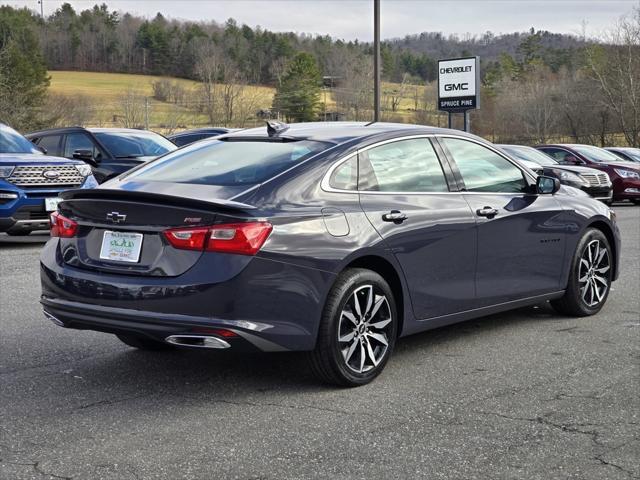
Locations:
column 330, row 238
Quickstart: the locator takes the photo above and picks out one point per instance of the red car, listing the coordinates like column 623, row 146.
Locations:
column 625, row 176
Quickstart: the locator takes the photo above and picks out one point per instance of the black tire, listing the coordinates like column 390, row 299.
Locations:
column 329, row 360
column 636, row 201
column 576, row 301
column 18, row 233
column 144, row 343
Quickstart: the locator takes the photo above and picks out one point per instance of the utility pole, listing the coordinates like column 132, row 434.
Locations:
column 146, row 113
column 376, row 60
column 41, row 2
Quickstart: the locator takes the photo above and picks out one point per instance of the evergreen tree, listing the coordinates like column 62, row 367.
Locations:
column 298, row 95
column 23, row 73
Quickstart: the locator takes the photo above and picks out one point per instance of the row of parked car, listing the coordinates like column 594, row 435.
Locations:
column 608, row 174
column 36, row 168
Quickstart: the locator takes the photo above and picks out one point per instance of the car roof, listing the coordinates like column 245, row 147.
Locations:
column 50, row 131
column 340, row 132
column 195, row 131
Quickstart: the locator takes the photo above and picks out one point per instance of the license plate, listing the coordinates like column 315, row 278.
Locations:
column 51, row 204
column 121, row 246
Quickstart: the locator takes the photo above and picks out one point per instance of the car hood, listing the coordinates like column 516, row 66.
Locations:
column 629, row 165
column 34, row 159
column 574, row 169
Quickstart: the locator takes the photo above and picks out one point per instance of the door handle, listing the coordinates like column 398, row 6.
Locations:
column 395, row 216
column 488, row 212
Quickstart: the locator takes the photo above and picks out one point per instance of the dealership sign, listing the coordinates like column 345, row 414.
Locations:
column 459, row 84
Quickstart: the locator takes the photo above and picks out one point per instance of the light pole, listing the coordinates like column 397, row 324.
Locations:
column 376, row 60
column 41, row 2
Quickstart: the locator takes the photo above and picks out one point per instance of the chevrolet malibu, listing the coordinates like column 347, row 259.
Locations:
column 334, row 238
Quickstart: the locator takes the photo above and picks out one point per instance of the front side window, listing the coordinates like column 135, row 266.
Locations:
column 483, row 170
column 78, row 141
column 403, row 166
column 228, row 163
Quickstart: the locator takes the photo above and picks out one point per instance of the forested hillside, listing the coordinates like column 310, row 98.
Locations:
column 536, row 84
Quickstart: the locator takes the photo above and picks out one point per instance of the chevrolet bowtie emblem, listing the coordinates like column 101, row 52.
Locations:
column 116, row 217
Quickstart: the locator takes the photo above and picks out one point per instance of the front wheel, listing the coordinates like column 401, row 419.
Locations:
column 358, row 330
column 590, row 277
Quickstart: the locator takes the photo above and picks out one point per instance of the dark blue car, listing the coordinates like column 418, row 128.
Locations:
column 332, row 238
column 31, row 183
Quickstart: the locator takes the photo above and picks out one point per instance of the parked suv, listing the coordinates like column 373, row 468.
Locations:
column 592, row 181
column 109, row 151
column 31, row 183
column 625, row 176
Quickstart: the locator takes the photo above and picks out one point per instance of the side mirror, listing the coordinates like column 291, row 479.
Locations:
column 84, row 155
column 547, row 185
column 42, row 149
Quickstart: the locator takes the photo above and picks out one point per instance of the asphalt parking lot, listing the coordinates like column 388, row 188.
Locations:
column 527, row 394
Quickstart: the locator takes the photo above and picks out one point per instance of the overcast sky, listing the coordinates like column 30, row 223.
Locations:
column 351, row 19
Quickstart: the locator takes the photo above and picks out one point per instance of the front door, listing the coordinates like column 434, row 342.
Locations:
column 430, row 229
column 521, row 235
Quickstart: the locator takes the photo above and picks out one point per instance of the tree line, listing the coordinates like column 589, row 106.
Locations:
column 536, row 85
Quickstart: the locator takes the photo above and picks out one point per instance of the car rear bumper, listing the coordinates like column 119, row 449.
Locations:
column 270, row 305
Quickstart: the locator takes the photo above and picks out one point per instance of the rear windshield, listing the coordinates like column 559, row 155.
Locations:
column 228, row 163
column 135, row 144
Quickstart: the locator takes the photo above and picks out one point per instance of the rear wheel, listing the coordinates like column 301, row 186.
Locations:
column 143, row 343
column 358, row 330
column 590, row 277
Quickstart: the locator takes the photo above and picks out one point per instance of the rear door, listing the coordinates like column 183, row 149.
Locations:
column 521, row 235
column 405, row 193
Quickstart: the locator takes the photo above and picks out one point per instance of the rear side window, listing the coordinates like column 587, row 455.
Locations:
column 228, row 163
column 483, row 170
column 556, row 153
column 51, row 143
column 345, row 176
column 402, row 166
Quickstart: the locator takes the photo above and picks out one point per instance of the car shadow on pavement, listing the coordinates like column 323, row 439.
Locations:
column 210, row 374
column 23, row 241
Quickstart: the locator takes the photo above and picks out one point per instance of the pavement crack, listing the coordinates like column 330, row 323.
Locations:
column 614, row 465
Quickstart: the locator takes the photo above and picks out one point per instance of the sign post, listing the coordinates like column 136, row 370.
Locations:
column 459, row 87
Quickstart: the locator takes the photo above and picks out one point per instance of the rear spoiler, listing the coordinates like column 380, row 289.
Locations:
column 183, row 199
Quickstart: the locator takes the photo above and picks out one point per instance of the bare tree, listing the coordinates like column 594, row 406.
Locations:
column 132, row 108
column 616, row 68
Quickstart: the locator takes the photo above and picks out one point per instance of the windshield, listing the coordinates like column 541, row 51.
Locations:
column 633, row 153
column 12, row 142
column 596, row 154
column 228, row 163
column 530, row 154
column 135, row 144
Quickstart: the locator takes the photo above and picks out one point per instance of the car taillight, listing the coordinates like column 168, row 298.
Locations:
column 62, row 226
column 240, row 238
column 187, row 238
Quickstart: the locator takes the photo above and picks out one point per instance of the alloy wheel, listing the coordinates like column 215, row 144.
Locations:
column 364, row 329
column 593, row 276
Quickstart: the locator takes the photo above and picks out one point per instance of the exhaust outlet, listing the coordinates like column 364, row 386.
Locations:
column 197, row 341
column 55, row 320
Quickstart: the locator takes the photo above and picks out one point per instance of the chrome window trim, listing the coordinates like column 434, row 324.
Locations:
column 324, row 184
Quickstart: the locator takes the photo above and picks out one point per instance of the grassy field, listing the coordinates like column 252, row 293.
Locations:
column 101, row 97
